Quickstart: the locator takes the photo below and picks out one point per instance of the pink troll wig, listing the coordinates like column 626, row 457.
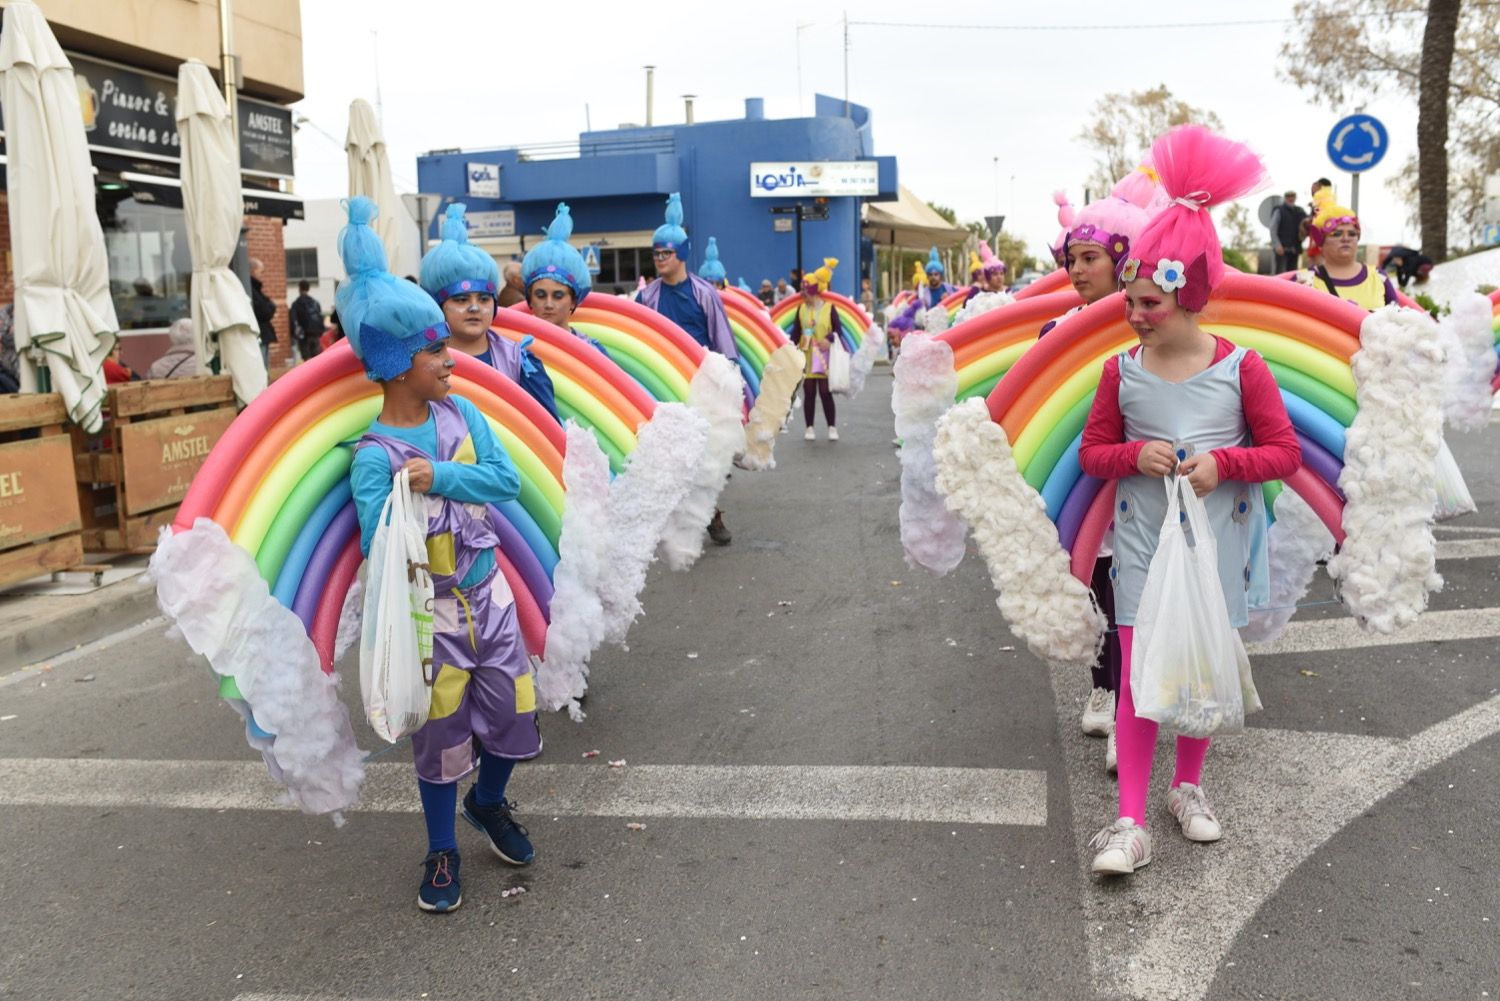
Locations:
column 1179, row 248
column 989, row 263
column 1116, row 221
column 1065, row 215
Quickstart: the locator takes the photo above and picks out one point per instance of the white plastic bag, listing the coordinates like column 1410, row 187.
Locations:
column 838, row 368
column 395, row 650
column 1188, row 669
column 1453, row 497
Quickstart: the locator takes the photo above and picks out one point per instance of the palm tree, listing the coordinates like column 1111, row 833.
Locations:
column 1432, row 126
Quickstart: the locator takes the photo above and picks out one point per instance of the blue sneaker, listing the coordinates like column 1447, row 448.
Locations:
column 507, row 838
column 440, row 891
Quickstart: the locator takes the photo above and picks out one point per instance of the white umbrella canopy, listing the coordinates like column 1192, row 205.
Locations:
column 215, row 211
column 370, row 174
column 63, row 313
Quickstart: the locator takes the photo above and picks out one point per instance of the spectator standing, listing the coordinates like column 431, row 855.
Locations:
column 866, row 297
column 767, row 294
column 514, row 290
column 307, row 322
column 782, row 290
column 264, row 310
column 1288, row 227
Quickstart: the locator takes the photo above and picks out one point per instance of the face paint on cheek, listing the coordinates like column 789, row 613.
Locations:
column 1157, row 315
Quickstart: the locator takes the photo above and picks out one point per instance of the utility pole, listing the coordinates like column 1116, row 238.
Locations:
column 229, row 64
column 846, row 64
column 650, row 82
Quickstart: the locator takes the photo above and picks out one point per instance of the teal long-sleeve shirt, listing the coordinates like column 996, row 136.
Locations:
column 490, row 479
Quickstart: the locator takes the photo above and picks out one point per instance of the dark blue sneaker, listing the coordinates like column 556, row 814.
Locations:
column 507, row 838
column 440, row 891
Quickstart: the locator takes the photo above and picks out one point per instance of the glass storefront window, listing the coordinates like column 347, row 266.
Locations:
column 150, row 262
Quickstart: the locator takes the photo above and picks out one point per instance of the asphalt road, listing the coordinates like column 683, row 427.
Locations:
column 854, row 785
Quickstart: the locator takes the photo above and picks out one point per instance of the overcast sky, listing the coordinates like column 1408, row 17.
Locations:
column 945, row 101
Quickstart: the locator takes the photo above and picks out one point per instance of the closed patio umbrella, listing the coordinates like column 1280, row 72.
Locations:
column 370, row 174
column 215, row 211
column 64, row 317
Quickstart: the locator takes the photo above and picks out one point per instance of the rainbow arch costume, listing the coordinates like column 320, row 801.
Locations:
column 862, row 337
column 1336, row 366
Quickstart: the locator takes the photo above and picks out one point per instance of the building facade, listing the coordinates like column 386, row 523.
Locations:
column 125, row 58
column 731, row 174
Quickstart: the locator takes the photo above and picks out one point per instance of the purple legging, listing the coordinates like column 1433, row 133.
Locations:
column 1135, row 744
column 810, row 401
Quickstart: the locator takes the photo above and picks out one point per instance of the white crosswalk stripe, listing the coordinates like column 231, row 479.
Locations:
column 749, row 792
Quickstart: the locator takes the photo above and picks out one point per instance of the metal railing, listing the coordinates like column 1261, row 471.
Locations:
column 595, row 145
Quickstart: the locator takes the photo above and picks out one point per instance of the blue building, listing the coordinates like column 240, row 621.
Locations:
column 616, row 182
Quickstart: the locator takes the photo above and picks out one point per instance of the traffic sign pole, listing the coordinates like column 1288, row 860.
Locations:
column 1354, row 194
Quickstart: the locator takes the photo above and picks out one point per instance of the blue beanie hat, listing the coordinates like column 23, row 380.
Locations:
column 670, row 235
column 713, row 268
column 456, row 266
column 933, row 264
column 557, row 259
column 386, row 319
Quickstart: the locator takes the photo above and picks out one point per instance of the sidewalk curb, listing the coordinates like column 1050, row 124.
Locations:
column 62, row 623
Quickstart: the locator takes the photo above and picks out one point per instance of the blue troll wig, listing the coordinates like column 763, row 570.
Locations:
column 670, row 235
column 933, row 264
column 456, row 266
column 557, row 259
column 713, row 268
column 386, row 319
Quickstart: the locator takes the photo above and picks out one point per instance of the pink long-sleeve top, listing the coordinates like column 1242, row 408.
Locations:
column 1105, row 454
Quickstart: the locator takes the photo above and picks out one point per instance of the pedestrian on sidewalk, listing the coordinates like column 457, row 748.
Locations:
column 1287, row 231
column 690, row 302
column 306, row 315
column 1187, row 402
column 816, row 332
column 483, row 711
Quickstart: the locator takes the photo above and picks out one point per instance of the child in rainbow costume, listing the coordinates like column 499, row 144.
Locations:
column 483, row 697
column 990, row 291
column 555, row 276
column 463, row 280
column 1092, row 248
column 1185, row 402
column 815, row 332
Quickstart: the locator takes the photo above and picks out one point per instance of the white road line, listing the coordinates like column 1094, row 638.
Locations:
column 1460, row 527
column 1468, row 549
column 744, row 792
column 1344, row 634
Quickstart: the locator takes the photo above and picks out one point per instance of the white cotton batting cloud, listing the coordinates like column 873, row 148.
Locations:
column 211, row 591
column 1296, row 542
column 716, row 395
column 657, row 475
column 1469, row 339
column 871, row 348
column 926, row 384
column 1045, row 605
column 981, row 304
column 778, row 382
column 1387, row 565
column 934, row 320
column 577, row 625
column 351, row 617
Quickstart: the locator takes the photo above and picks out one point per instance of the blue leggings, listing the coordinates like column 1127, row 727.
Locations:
column 440, row 799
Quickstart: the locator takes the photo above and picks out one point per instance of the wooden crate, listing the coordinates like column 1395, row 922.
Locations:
column 39, row 517
column 134, row 473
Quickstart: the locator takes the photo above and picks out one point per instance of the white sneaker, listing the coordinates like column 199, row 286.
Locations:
column 1111, row 756
column 1099, row 713
column 1196, row 818
column 1123, row 847
column 809, row 435
column 833, row 434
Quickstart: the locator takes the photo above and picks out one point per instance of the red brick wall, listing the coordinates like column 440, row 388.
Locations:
column 7, row 275
column 265, row 239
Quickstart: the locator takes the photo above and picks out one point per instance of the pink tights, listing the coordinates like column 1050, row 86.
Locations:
column 1135, row 744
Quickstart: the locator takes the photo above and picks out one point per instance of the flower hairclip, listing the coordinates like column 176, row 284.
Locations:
column 1129, row 271
column 1169, row 275
column 1118, row 245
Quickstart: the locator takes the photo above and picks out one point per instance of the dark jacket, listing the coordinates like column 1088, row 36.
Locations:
column 306, row 315
column 264, row 309
column 1286, row 225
